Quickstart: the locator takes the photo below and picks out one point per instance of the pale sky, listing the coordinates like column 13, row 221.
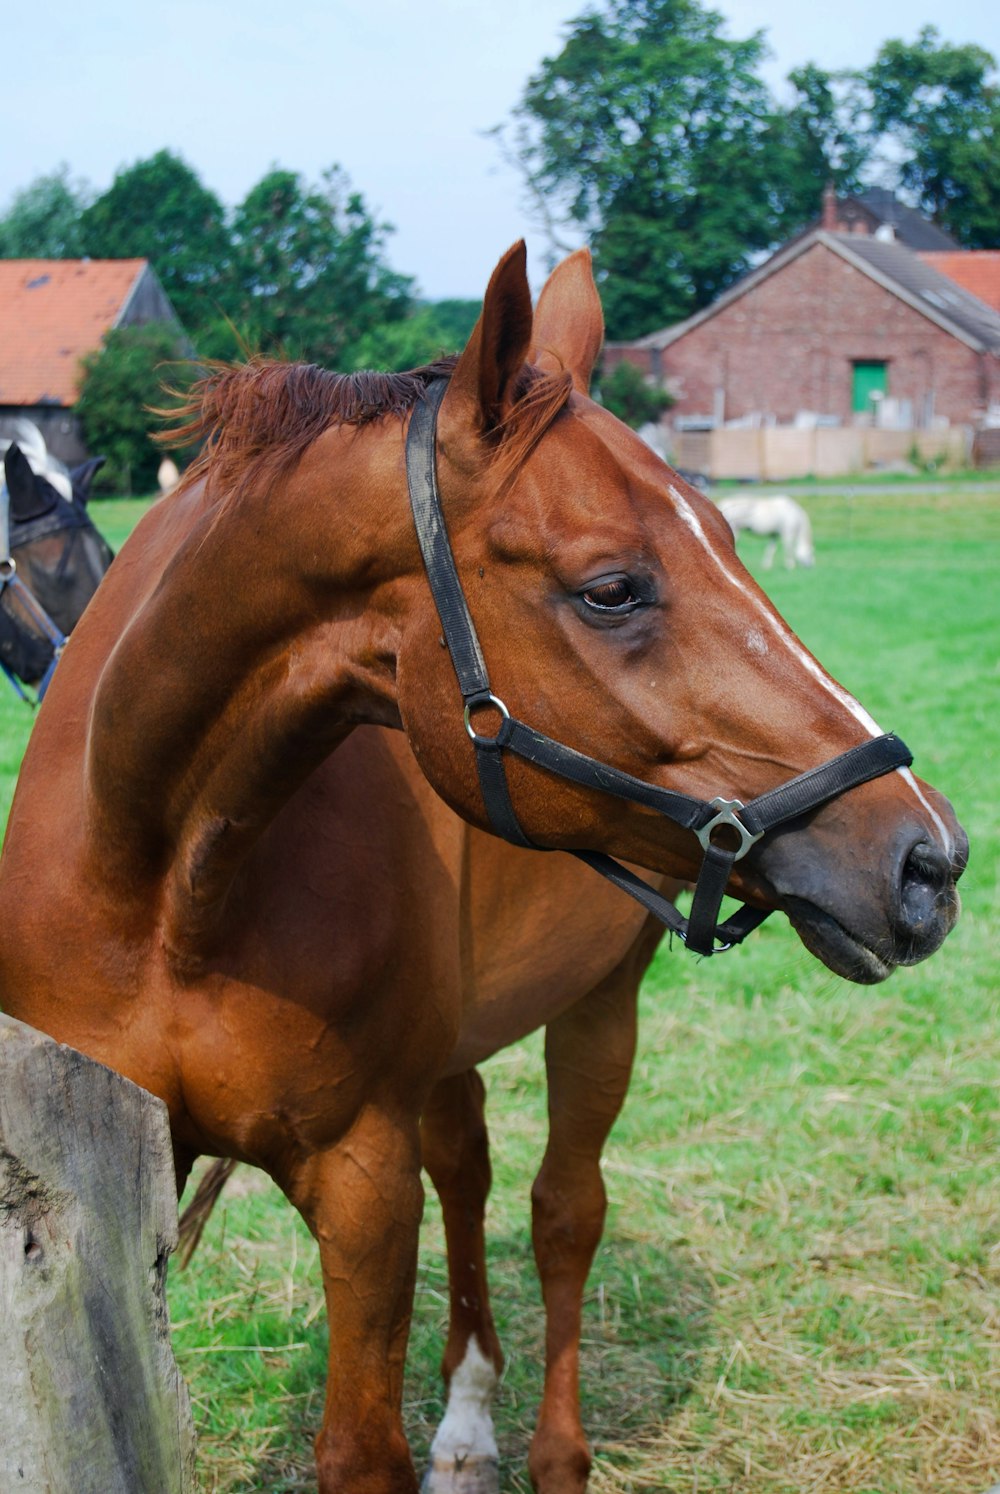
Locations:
column 397, row 93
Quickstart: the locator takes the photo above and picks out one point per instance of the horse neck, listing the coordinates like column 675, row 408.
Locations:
column 238, row 672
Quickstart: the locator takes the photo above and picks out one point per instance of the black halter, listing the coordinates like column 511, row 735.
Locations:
column 746, row 822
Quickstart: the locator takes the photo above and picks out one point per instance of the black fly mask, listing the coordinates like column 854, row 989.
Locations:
column 51, row 561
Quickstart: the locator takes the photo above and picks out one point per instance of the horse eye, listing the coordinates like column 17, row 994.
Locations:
column 611, row 596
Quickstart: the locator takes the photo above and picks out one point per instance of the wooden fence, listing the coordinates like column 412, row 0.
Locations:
column 781, row 453
column 91, row 1401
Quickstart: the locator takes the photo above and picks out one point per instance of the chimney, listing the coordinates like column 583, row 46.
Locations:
column 829, row 219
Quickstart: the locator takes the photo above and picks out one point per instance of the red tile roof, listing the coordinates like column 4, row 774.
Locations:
column 52, row 313
column 976, row 270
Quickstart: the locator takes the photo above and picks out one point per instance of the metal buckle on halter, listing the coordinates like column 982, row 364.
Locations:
column 728, row 812
column 681, row 934
column 477, row 703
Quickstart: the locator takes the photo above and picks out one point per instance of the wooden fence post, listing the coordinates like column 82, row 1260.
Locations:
column 91, row 1401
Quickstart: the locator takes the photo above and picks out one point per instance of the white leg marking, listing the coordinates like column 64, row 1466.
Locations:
column 787, row 637
column 467, row 1428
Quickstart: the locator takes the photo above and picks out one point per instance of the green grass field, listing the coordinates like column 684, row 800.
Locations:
column 799, row 1286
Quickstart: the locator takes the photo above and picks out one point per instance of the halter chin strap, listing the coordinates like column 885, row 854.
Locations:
column 717, row 823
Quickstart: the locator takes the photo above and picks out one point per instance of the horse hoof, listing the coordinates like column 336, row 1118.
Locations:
column 457, row 1475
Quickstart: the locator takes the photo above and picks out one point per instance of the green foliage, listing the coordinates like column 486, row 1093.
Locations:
column 120, row 383
column 456, row 317
column 159, row 210
column 295, row 271
column 629, row 395
column 648, row 132
column 818, row 139
column 652, row 135
column 940, row 104
column 42, row 221
column 309, row 278
column 434, row 328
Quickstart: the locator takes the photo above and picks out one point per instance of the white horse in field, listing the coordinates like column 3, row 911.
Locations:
column 782, row 519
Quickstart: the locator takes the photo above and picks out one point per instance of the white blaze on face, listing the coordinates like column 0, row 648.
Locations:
column 783, row 633
column 467, row 1428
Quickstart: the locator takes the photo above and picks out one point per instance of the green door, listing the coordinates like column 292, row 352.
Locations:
column 869, row 379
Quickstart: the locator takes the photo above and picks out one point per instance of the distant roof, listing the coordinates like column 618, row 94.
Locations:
column 978, row 270
column 911, row 227
column 937, row 295
column 52, row 313
column 890, row 263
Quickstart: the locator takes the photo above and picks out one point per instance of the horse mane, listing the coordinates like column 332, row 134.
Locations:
column 255, row 420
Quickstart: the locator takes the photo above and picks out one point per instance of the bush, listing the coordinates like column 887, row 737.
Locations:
column 627, row 393
column 120, row 383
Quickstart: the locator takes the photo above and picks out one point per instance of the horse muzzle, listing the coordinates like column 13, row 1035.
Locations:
column 864, row 920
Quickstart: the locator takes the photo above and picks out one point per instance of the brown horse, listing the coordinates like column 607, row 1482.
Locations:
column 299, row 949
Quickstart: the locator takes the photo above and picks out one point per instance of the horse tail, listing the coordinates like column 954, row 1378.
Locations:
column 194, row 1218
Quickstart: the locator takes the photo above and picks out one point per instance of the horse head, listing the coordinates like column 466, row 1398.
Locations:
column 614, row 616
column 59, row 553
column 52, row 560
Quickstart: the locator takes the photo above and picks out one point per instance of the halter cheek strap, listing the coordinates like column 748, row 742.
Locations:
column 716, row 823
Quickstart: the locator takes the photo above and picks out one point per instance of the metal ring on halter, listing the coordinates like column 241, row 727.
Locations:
column 486, row 700
column 728, row 816
column 718, row 948
column 8, row 568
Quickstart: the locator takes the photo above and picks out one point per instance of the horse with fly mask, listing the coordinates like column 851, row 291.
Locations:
column 52, row 559
column 289, row 937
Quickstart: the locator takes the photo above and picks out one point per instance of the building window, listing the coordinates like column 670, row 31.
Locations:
column 870, row 383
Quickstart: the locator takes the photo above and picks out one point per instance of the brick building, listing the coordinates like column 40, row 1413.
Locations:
column 871, row 317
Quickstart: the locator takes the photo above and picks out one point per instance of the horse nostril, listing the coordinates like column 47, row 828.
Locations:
column 925, row 885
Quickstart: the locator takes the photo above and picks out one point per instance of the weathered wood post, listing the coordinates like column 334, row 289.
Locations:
column 91, row 1401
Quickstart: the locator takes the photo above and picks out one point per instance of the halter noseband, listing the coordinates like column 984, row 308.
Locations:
column 748, row 822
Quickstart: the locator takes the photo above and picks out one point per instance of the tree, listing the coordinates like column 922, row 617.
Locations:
column 43, row 219
column 939, row 105
column 630, row 396
column 819, row 138
column 647, row 135
column 159, row 210
column 432, row 329
column 309, row 275
column 120, row 383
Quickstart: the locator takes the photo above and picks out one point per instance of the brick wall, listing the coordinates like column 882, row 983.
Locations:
column 789, row 345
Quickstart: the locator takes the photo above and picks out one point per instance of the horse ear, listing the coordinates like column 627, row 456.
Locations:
column 31, row 496
column 83, row 476
column 495, row 353
column 569, row 323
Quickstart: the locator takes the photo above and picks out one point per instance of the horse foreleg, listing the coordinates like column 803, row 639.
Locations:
column 770, row 550
column 363, row 1200
column 456, row 1156
column 588, row 1055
